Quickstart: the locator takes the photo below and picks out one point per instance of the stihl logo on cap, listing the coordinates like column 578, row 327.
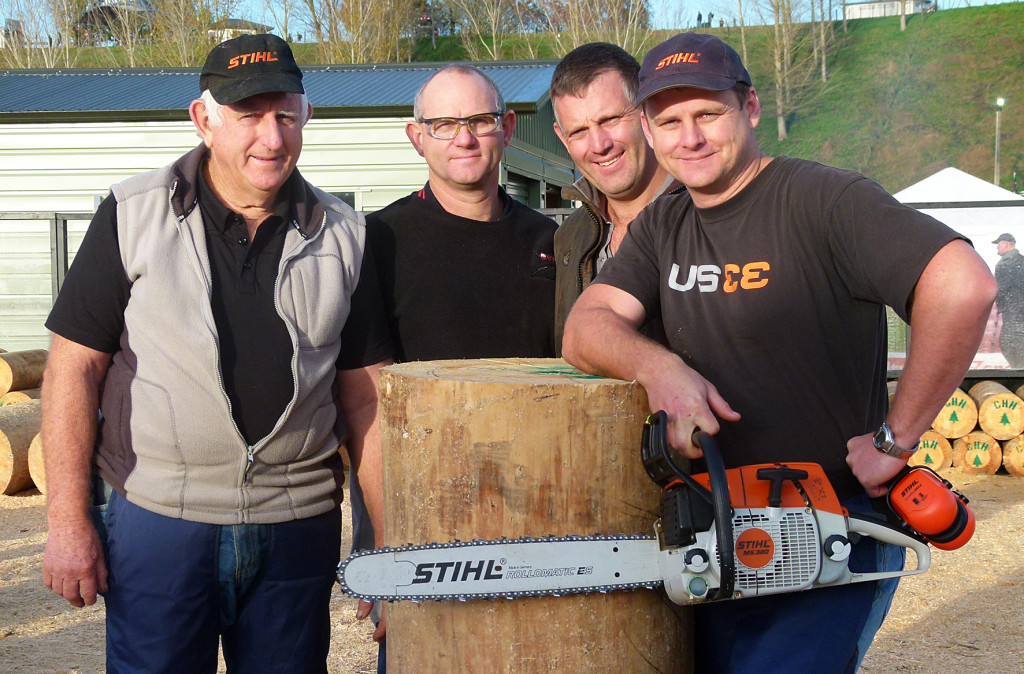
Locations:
column 681, row 57
column 254, row 57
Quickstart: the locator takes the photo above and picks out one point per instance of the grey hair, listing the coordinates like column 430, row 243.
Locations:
column 499, row 101
column 213, row 109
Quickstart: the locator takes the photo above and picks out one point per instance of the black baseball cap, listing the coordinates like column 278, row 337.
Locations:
column 249, row 65
column 690, row 60
column 1005, row 237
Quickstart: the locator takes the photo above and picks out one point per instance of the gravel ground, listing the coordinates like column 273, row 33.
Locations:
column 965, row 614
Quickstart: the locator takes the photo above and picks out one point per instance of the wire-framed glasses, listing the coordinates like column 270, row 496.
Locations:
column 447, row 128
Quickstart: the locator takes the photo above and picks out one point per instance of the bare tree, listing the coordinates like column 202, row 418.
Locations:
column 743, row 30
column 39, row 34
column 357, row 31
column 127, row 24
column 626, row 23
column 484, row 22
column 793, row 67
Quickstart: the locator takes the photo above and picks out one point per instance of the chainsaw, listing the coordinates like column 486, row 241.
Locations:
column 725, row 534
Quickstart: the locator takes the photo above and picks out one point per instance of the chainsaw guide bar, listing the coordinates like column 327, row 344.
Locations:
column 503, row 568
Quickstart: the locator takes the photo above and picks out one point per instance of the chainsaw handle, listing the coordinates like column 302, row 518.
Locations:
column 889, row 534
column 722, row 506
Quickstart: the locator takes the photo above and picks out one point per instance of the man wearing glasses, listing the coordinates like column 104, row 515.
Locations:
column 465, row 270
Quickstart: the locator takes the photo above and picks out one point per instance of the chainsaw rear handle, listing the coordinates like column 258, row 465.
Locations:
column 662, row 468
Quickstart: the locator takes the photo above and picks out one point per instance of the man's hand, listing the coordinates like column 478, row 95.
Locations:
column 689, row 400
column 73, row 564
column 872, row 468
column 363, row 611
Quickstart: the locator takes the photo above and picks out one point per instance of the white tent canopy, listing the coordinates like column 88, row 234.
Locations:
column 978, row 222
column 952, row 184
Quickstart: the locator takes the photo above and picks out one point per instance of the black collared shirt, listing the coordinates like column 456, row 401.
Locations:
column 255, row 348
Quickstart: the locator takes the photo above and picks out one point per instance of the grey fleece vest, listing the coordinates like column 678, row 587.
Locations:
column 168, row 440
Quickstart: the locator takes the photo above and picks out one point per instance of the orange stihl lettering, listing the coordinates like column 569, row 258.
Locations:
column 681, row 57
column 254, row 57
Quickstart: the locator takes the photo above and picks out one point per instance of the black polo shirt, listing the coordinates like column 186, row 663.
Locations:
column 254, row 345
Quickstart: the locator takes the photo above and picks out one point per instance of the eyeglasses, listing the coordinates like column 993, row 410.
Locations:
column 447, row 128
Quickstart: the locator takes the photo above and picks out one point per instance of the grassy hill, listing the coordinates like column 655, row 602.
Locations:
column 901, row 106
column 897, row 106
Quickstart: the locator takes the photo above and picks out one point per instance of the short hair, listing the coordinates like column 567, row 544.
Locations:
column 584, row 64
column 499, row 101
column 213, row 109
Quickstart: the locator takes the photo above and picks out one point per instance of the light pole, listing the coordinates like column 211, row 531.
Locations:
column 1000, row 102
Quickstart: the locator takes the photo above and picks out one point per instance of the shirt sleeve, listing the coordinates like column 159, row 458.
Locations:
column 90, row 306
column 882, row 247
column 366, row 338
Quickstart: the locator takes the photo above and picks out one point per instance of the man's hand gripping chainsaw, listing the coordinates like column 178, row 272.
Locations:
column 724, row 534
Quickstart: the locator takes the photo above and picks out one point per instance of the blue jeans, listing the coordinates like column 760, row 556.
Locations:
column 178, row 588
column 822, row 630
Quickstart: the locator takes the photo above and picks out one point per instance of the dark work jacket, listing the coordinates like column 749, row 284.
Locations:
column 578, row 241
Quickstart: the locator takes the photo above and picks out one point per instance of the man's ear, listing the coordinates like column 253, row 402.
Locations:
column 415, row 134
column 508, row 125
column 309, row 112
column 753, row 108
column 201, row 118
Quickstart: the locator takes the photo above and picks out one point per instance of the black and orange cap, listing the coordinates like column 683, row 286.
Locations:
column 690, row 60
column 250, row 65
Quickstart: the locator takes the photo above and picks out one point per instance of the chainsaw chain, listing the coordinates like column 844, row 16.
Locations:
column 480, row 542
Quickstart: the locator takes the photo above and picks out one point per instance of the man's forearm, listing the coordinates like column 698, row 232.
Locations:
column 956, row 289
column 360, row 405
column 70, row 402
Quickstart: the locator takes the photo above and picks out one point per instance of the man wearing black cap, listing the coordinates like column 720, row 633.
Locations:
column 1009, row 274
column 771, row 277
column 212, row 316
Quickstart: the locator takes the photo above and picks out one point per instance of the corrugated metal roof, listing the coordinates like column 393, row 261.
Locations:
column 524, row 84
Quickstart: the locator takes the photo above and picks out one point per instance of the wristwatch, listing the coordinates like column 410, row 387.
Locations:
column 884, row 442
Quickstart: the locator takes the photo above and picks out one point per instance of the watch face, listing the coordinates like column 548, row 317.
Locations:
column 881, row 439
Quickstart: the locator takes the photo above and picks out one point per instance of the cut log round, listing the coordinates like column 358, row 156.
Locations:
column 977, row 454
column 20, row 370
column 934, row 452
column 959, row 416
column 1000, row 411
column 36, row 466
column 1013, row 456
column 517, row 447
column 12, row 397
column 18, row 425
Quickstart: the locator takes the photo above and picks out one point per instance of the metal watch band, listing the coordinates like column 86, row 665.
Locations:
column 885, row 443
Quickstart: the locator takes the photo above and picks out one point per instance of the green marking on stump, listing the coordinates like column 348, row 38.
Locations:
column 953, row 417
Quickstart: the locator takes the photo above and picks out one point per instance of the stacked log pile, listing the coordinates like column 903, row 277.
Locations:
column 21, row 453
column 978, row 432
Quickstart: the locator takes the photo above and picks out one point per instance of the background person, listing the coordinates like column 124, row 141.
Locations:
column 772, row 288
column 465, row 270
column 1009, row 273
column 204, row 315
column 592, row 92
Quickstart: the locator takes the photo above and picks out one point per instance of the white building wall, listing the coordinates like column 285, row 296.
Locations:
column 70, row 167
column 873, row 10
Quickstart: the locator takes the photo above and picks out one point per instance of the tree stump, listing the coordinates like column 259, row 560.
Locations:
column 977, row 454
column 36, row 465
column 1000, row 411
column 12, row 397
column 958, row 417
column 18, row 425
column 935, row 452
column 1013, row 456
column 20, row 370
column 521, row 447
